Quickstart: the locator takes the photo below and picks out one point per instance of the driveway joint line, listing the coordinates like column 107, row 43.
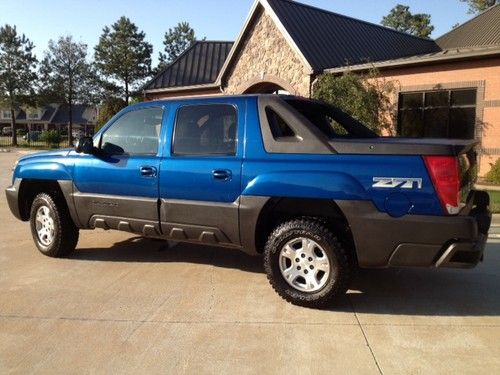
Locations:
column 146, row 320
column 366, row 338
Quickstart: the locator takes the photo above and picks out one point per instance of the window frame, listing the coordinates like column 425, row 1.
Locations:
column 423, row 107
column 104, row 129
column 218, row 154
column 9, row 114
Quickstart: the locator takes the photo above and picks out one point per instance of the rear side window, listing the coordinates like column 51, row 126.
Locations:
column 208, row 129
column 279, row 127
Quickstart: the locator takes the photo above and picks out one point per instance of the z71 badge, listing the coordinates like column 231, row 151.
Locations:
column 397, row 182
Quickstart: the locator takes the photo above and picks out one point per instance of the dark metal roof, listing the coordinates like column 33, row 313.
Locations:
column 49, row 112
column 59, row 114
column 198, row 65
column 482, row 30
column 329, row 40
column 82, row 114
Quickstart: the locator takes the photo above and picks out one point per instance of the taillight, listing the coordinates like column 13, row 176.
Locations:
column 446, row 180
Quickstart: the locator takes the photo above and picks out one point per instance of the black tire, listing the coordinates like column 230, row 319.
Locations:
column 64, row 236
column 339, row 276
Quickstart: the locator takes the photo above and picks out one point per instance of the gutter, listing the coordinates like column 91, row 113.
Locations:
column 422, row 60
column 183, row 88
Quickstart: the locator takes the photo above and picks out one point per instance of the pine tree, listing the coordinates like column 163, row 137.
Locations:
column 67, row 75
column 17, row 72
column 177, row 40
column 400, row 18
column 478, row 6
column 124, row 55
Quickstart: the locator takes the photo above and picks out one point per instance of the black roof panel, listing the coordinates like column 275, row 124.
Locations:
column 482, row 30
column 198, row 65
column 329, row 40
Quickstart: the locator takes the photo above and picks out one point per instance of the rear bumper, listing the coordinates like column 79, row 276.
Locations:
column 11, row 194
column 420, row 241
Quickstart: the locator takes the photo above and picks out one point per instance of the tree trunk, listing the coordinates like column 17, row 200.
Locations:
column 13, row 126
column 126, row 92
column 70, row 130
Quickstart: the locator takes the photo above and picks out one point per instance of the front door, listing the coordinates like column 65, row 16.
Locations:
column 117, row 187
column 200, row 181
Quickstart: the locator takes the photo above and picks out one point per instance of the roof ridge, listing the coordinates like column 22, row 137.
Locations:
column 354, row 19
column 468, row 21
column 214, row 41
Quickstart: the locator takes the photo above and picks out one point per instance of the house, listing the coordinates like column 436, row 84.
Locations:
column 448, row 87
column 52, row 116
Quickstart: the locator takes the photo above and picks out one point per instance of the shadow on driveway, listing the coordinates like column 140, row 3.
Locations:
column 404, row 291
column 139, row 249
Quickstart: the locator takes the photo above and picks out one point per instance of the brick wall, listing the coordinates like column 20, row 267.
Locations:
column 482, row 74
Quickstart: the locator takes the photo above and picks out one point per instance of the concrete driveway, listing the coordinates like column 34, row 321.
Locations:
column 122, row 304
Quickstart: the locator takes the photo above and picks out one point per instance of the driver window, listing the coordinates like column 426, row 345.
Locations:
column 134, row 133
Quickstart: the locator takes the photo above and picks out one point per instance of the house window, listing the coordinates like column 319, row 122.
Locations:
column 437, row 114
column 33, row 115
column 6, row 115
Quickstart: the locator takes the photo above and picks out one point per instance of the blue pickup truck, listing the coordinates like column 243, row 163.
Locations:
column 296, row 180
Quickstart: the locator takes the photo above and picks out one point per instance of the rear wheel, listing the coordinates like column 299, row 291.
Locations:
column 305, row 263
column 52, row 228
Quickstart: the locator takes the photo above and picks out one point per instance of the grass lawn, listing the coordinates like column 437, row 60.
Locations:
column 494, row 201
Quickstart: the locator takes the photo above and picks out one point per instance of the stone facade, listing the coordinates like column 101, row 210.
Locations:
column 266, row 56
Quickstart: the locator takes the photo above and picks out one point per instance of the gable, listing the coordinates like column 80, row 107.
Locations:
column 264, row 53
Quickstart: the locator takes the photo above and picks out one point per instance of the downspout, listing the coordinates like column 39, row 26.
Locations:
column 312, row 81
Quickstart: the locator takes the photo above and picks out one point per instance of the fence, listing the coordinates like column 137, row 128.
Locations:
column 33, row 139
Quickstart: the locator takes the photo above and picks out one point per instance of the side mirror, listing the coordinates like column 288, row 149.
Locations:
column 85, row 145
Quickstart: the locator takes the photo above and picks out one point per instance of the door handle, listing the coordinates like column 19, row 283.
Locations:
column 148, row 171
column 222, row 174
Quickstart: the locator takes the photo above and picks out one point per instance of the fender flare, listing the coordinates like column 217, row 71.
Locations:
column 43, row 171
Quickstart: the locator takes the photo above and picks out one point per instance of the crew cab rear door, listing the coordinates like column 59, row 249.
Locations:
column 200, row 175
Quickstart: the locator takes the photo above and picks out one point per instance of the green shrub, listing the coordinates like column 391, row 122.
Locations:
column 366, row 97
column 493, row 175
column 52, row 137
column 21, row 132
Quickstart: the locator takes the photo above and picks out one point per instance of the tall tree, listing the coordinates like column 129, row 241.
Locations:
column 17, row 71
column 124, row 55
column 400, row 18
column 177, row 40
column 67, row 75
column 478, row 6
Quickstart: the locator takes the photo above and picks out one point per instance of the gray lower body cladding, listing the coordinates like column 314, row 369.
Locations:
column 12, row 193
column 416, row 240
column 380, row 240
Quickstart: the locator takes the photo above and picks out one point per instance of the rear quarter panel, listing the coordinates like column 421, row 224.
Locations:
column 335, row 176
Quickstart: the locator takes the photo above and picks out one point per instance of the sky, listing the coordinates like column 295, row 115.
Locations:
column 42, row 20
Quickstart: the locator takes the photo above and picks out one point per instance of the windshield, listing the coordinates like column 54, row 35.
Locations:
column 330, row 120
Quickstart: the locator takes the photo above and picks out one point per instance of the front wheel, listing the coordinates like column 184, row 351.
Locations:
column 52, row 228
column 305, row 263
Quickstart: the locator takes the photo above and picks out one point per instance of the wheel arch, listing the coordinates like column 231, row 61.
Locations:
column 30, row 188
column 278, row 209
